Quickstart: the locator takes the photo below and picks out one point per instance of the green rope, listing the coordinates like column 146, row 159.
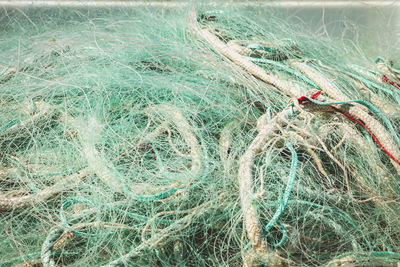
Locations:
column 283, row 239
column 374, row 72
column 387, row 65
column 261, row 47
column 3, row 71
column 371, row 85
column 8, row 125
column 286, row 195
column 285, row 68
column 255, row 46
column 360, row 68
column 158, row 196
column 369, row 106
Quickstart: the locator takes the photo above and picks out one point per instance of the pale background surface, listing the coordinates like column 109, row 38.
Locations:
column 372, row 25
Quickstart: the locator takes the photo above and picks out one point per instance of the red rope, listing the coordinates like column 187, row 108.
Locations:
column 369, row 131
column 386, row 80
column 314, row 96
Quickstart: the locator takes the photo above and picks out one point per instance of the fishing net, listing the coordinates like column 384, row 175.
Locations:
column 166, row 137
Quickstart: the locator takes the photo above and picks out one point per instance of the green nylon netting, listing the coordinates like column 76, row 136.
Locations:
column 129, row 138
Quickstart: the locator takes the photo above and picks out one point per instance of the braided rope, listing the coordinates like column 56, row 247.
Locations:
column 7, row 204
column 258, row 72
column 354, row 110
column 47, row 246
column 247, row 196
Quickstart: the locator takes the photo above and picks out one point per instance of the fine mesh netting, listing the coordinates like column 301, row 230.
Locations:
column 194, row 137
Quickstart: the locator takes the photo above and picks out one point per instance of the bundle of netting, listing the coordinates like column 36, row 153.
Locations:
column 195, row 138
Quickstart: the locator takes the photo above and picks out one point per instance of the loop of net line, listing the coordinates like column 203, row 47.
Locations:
column 115, row 180
column 58, row 236
column 387, row 67
column 178, row 225
column 255, row 231
column 19, row 202
column 247, row 196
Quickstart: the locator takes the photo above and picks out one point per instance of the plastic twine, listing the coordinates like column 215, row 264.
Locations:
column 3, row 71
column 386, row 80
column 372, row 85
column 285, row 198
column 371, row 107
column 387, row 65
column 8, row 125
column 285, row 68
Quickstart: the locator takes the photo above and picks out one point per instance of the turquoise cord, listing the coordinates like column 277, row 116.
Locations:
column 283, row 239
column 261, row 47
column 158, row 196
column 9, row 125
column 371, row 85
column 286, row 195
column 285, row 68
column 3, row 71
column 369, row 106
column 387, row 65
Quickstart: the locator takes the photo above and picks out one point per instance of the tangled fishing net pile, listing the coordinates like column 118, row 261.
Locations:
column 206, row 139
